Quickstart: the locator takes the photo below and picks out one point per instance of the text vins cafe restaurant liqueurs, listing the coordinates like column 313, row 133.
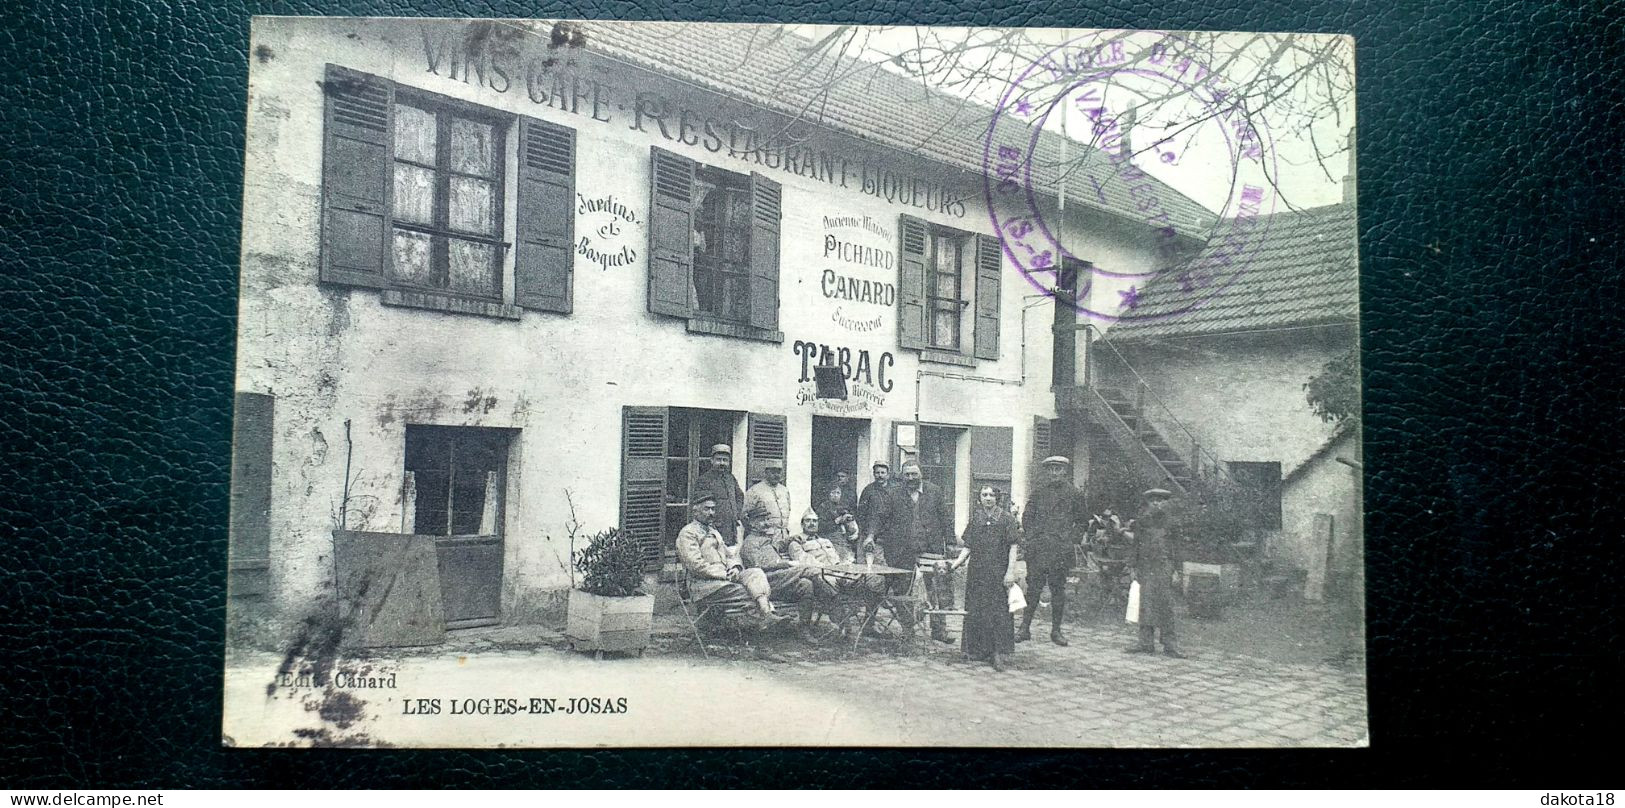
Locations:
column 492, row 270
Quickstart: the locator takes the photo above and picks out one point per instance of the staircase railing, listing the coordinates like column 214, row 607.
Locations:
column 1202, row 462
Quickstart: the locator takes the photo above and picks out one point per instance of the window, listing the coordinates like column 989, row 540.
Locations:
column 714, row 248
column 412, row 194
column 722, row 244
column 456, row 480
column 939, row 455
column 1262, row 482
column 947, row 250
column 942, row 272
column 448, row 199
column 663, row 450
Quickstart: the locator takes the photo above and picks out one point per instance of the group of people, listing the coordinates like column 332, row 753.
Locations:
column 740, row 548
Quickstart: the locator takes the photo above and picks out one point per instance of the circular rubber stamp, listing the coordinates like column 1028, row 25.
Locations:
column 1112, row 83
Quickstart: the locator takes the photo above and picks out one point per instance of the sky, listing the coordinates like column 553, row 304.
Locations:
column 1196, row 161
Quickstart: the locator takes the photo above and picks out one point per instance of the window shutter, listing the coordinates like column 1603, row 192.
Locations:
column 765, row 198
column 643, row 478
column 991, row 448
column 766, row 437
column 671, row 232
column 546, row 219
column 356, row 168
column 911, row 283
column 1043, row 440
column 989, row 262
column 249, row 543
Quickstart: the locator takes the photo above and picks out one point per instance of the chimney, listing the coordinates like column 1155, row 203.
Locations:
column 1350, row 174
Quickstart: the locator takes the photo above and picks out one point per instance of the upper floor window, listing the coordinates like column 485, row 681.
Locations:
column 947, row 250
column 413, row 185
column 945, row 276
column 722, row 209
column 714, row 247
column 448, row 199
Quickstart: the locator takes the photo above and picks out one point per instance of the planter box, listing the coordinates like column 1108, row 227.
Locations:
column 598, row 623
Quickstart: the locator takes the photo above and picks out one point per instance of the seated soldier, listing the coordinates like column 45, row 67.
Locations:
column 716, row 575
column 791, row 582
column 809, row 548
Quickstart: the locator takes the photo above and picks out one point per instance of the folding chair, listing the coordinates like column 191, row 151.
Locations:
column 699, row 611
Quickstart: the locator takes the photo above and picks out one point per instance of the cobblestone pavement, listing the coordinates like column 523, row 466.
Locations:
column 1090, row 694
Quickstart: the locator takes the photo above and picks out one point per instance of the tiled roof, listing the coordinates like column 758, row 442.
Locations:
column 768, row 66
column 1303, row 271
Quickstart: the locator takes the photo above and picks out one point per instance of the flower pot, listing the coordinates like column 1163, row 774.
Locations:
column 601, row 623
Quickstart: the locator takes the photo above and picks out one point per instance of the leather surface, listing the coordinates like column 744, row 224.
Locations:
column 1491, row 289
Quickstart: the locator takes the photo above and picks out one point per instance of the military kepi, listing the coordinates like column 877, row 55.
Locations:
column 1057, row 460
column 1157, row 493
column 702, row 499
column 774, row 464
column 722, row 448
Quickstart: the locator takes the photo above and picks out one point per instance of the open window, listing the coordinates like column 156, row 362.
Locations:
column 948, row 282
column 714, row 247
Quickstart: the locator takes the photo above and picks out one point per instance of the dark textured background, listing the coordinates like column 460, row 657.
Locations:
column 1491, row 284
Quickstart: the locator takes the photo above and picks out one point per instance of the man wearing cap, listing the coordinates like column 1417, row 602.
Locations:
column 873, row 499
column 914, row 526
column 1055, row 518
column 716, row 575
column 720, row 482
column 1153, row 564
column 772, row 497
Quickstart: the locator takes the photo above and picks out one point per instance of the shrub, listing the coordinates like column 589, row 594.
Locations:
column 610, row 565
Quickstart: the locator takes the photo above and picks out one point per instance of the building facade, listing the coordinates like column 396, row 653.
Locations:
column 498, row 277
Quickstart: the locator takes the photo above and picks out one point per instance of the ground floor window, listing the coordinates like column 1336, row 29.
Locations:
column 664, row 450
column 939, row 455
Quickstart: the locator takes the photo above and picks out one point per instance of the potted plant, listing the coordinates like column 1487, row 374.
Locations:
column 608, row 610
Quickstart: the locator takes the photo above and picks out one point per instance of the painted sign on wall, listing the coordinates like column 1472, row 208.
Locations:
column 494, row 57
column 867, row 378
column 858, row 278
column 602, row 223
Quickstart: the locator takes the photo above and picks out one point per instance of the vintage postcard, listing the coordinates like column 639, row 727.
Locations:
column 681, row 384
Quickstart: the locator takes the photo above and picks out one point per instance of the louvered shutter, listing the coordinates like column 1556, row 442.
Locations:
column 911, row 283
column 989, row 262
column 1043, row 440
column 671, row 232
column 767, row 436
column 356, row 167
column 991, row 449
column 643, row 478
column 765, row 198
column 546, row 217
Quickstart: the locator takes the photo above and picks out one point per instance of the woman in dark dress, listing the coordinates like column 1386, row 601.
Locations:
column 992, row 537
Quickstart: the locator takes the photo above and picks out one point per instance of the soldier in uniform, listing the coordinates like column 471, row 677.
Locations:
column 1153, row 569
column 1055, row 518
column 719, row 481
column 873, row 501
column 716, row 574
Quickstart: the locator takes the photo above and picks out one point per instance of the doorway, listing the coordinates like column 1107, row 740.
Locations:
column 456, row 479
column 836, row 443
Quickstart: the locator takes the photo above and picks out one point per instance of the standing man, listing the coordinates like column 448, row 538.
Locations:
column 772, row 497
column 719, row 481
column 1055, row 518
column 716, row 574
column 914, row 527
column 872, row 502
column 1153, row 562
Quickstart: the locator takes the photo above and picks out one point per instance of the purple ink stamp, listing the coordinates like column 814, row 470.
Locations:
column 1111, row 85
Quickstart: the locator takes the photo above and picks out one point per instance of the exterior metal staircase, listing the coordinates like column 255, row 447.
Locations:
column 1123, row 414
